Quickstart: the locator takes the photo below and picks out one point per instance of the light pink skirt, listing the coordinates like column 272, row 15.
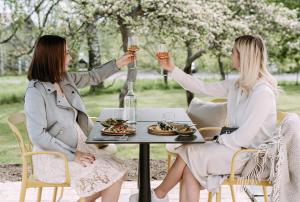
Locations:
column 105, row 170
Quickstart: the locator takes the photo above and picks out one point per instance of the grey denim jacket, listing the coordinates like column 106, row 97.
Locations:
column 51, row 122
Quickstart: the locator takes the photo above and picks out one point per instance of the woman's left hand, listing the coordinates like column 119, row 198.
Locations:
column 126, row 59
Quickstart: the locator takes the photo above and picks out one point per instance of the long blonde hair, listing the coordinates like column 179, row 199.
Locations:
column 253, row 62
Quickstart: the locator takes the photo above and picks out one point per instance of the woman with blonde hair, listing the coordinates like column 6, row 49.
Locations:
column 251, row 109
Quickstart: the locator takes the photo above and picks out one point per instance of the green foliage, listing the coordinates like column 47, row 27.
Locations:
column 9, row 153
column 140, row 86
column 208, row 25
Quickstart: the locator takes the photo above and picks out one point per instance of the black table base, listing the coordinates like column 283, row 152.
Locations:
column 144, row 174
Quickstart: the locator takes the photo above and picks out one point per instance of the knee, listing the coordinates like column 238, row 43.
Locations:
column 180, row 160
column 186, row 173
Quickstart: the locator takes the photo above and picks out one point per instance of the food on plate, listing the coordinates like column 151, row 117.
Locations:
column 165, row 128
column 116, row 127
column 120, row 128
column 112, row 122
column 184, row 129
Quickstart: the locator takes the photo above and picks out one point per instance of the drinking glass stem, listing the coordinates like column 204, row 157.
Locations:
column 134, row 64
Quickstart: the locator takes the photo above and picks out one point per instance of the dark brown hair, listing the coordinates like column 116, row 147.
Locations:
column 48, row 61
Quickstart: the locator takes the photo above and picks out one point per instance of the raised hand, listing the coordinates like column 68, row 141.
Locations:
column 165, row 61
column 126, row 59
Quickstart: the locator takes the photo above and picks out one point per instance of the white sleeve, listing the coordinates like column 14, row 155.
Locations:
column 194, row 85
column 261, row 102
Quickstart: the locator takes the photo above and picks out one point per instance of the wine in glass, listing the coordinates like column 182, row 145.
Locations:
column 162, row 53
column 133, row 46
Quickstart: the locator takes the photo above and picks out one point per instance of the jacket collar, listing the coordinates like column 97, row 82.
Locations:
column 49, row 87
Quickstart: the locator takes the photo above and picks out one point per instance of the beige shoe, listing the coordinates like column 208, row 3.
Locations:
column 154, row 198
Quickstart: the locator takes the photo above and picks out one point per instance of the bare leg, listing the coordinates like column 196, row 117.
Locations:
column 92, row 198
column 173, row 177
column 190, row 189
column 109, row 194
column 112, row 193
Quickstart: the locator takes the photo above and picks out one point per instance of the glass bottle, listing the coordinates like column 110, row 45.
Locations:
column 130, row 102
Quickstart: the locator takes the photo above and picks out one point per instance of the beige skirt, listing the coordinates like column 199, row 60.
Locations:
column 210, row 162
column 104, row 171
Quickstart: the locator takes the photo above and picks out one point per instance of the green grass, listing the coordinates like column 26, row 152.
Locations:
column 9, row 152
column 12, row 89
column 173, row 97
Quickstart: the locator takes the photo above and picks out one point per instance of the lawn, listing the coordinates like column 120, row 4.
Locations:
column 174, row 97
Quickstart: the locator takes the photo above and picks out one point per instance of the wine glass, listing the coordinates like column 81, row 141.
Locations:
column 168, row 117
column 162, row 53
column 133, row 47
column 118, row 114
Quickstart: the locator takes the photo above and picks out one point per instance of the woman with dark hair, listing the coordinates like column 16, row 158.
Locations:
column 57, row 121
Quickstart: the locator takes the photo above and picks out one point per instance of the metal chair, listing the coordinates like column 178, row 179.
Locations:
column 16, row 121
column 233, row 179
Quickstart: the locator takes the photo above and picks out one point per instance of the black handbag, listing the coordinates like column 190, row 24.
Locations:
column 225, row 130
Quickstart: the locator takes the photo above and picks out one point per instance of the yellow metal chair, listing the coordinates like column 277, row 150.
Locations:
column 233, row 179
column 171, row 154
column 15, row 122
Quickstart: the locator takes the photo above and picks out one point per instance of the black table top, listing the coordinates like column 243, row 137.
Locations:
column 142, row 135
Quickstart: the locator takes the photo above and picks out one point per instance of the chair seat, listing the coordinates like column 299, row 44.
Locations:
column 239, row 181
column 34, row 182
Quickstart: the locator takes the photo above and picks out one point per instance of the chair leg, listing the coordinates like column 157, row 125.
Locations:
column 232, row 193
column 23, row 192
column 39, row 197
column 169, row 160
column 54, row 194
column 61, row 194
column 265, row 193
column 218, row 195
column 209, row 197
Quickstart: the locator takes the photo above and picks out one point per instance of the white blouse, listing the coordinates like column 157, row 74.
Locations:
column 254, row 115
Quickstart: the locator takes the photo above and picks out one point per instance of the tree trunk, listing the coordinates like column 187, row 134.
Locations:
column 221, row 67
column 2, row 70
column 188, row 70
column 165, row 75
column 131, row 73
column 94, row 51
column 298, row 69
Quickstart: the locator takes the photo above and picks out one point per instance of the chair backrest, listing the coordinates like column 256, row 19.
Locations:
column 280, row 116
column 17, row 123
column 207, row 114
column 218, row 100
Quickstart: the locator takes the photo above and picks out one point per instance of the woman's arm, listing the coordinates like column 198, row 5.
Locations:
column 37, row 124
column 261, row 103
column 99, row 74
column 190, row 83
column 95, row 76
